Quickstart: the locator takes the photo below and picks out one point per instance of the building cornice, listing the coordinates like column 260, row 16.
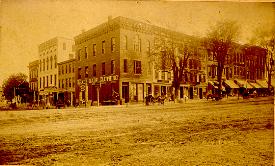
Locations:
column 129, row 24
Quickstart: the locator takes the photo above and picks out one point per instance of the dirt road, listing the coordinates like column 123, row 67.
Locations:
column 206, row 133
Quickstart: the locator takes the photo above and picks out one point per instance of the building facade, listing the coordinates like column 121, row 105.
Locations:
column 117, row 57
column 33, row 75
column 51, row 53
column 66, row 81
column 244, row 67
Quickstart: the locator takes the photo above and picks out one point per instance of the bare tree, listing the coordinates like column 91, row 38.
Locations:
column 219, row 40
column 173, row 56
column 265, row 37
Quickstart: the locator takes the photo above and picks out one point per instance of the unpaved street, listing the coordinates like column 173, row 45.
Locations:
column 239, row 132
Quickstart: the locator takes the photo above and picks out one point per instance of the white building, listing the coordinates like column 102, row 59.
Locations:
column 50, row 53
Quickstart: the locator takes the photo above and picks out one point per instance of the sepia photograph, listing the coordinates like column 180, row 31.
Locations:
column 88, row 82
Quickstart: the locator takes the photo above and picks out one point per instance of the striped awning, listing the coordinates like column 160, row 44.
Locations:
column 243, row 83
column 231, row 84
column 215, row 84
column 255, row 85
column 212, row 83
column 262, row 83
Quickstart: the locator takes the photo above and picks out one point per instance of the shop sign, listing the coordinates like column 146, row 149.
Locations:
column 96, row 80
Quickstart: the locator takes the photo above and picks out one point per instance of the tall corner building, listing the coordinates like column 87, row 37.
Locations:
column 116, row 57
column 50, row 53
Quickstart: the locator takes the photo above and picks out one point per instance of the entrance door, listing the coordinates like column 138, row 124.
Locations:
column 191, row 92
column 149, row 89
column 163, row 90
column 125, row 91
column 200, row 93
column 181, row 92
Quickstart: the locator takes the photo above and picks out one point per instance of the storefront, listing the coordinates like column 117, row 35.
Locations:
column 231, row 88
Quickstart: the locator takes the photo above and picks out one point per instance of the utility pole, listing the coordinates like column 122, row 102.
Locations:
column 97, row 96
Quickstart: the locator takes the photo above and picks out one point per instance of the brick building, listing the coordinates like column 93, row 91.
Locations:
column 66, row 80
column 244, row 67
column 116, row 56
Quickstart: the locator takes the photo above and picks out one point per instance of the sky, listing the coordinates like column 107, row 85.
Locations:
column 27, row 23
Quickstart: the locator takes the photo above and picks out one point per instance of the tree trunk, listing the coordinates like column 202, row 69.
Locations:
column 220, row 71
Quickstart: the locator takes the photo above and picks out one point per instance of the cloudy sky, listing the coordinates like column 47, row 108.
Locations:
column 27, row 23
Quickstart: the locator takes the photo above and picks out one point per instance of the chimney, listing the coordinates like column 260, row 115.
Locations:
column 110, row 18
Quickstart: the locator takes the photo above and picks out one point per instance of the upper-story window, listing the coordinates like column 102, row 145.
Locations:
column 103, row 47
column 43, row 64
column 40, row 65
column 70, row 68
column 79, row 73
column 169, row 75
column 47, row 63
column 137, row 67
column 79, row 54
column 86, row 72
column 137, row 43
column 66, row 68
column 113, row 44
column 59, row 70
column 64, row 46
column 86, row 53
column 124, row 42
column 112, row 67
column 62, row 69
column 103, row 68
column 55, row 61
column 148, row 46
column 94, row 49
column 94, row 70
column 51, row 59
column 162, row 75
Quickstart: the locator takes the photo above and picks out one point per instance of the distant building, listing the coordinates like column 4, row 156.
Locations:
column 66, row 80
column 33, row 77
column 244, row 67
column 50, row 53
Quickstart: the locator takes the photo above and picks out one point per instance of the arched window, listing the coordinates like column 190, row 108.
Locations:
column 43, row 64
column 51, row 59
column 47, row 63
column 40, row 65
column 124, row 42
column 55, row 61
column 148, row 46
column 137, row 43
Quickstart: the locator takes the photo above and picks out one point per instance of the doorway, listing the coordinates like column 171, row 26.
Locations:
column 125, row 91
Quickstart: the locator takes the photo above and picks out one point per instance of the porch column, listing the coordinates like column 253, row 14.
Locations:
column 120, row 88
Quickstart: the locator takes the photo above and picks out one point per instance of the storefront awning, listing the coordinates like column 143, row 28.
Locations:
column 231, row 84
column 262, row 83
column 243, row 83
column 212, row 84
column 255, row 85
column 215, row 85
